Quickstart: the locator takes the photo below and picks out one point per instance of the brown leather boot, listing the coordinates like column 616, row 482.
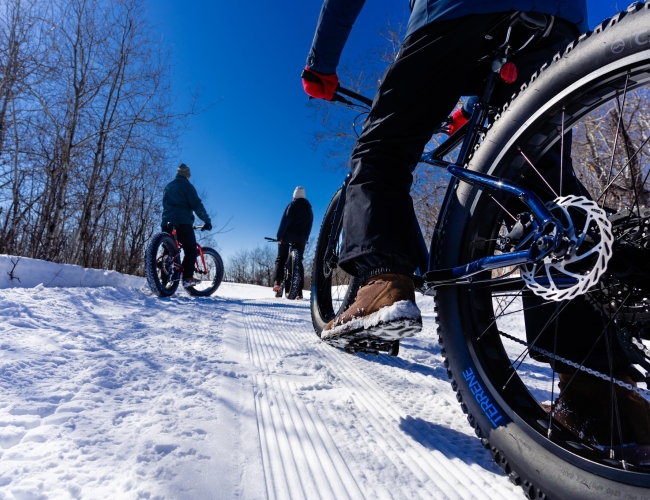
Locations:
column 584, row 408
column 384, row 308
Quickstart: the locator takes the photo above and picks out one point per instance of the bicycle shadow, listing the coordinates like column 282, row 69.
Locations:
column 451, row 443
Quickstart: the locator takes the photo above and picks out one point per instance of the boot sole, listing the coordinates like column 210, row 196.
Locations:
column 394, row 330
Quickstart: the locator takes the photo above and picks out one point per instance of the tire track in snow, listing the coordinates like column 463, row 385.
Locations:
column 299, row 441
column 300, row 459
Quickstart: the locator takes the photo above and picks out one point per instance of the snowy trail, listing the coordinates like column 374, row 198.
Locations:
column 111, row 393
column 404, row 456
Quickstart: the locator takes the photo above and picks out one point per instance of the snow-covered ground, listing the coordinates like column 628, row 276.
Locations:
column 113, row 393
column 23, row 272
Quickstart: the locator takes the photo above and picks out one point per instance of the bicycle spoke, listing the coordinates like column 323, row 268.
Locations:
column 620, row 118
column 561, row 156
column 525, row 352
column 497, row 317
column 537, row 171
column 645, row 141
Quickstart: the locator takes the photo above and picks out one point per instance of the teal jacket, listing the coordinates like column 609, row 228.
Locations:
column 180, row 199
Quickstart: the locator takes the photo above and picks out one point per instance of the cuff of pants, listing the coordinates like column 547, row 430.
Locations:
column 369, row 265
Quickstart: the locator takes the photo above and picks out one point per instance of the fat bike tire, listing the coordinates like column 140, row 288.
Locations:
column 295, row 262
column 210, row 278
column 510, row 423
column 332, row 290
column 162, row 280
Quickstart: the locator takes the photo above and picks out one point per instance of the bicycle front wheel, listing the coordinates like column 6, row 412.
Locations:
column 210, row 273
column 295, row 264
column 332, row 289
column 597, row 92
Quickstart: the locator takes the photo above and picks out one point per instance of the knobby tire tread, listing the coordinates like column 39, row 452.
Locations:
column 295, row 266
column 153, row 281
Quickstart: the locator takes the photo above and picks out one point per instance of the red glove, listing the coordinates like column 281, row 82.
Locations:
column 457, row 120
column 318, row 85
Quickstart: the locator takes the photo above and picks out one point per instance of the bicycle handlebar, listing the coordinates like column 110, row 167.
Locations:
column 353, row 95
column 337, row 97
column 270, row 239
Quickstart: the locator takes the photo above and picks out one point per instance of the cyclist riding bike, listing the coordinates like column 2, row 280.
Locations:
column 294, row 229
column 180, row 200
column 437, row 63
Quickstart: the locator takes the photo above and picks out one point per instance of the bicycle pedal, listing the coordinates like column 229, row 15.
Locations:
column 372, row 346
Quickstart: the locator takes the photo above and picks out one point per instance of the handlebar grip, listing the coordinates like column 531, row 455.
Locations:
column 310, row 77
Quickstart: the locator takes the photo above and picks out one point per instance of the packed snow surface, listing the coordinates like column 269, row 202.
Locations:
column 113, row 393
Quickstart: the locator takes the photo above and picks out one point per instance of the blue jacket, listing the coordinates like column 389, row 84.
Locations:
column 180, row 199
column 338, row 16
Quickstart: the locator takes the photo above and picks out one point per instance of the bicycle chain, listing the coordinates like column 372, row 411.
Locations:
column 582, row 368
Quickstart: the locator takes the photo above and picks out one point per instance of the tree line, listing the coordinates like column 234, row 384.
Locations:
column 257, row 266
column 87, row 124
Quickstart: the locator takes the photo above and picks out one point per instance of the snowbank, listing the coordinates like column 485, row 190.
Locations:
column 28, row 273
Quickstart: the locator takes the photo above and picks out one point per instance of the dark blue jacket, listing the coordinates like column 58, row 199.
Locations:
column 338, row 16
column 180, row 199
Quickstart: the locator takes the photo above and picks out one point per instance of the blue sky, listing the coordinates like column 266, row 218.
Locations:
column 253, row 147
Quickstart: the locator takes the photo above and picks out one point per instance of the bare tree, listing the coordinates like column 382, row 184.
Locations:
column 88, row 127
column 623, row 165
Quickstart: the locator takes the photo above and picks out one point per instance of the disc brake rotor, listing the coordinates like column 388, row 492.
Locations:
column 590, row 241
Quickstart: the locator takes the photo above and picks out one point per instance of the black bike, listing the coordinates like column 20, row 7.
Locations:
column 164, row 270
column 498, row 242
column 290, row 285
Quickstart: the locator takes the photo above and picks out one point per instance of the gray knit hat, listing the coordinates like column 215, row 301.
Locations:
column 299, row 192
column 183, row 170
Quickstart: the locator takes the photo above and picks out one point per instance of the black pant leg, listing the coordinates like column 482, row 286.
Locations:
column 185, row 235
column 416, row 94
column 283, row 253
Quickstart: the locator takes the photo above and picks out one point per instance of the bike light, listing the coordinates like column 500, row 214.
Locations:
column 508, row 72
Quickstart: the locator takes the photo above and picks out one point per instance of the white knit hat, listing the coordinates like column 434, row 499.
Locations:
column 299, row 192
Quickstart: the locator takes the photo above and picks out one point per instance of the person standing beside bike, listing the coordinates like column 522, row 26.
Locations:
column 180, row 202
column 295, row 227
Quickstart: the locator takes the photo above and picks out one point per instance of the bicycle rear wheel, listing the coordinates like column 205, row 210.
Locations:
column 210, row 275
column 482, row 327
column 162, row 263
column 332, row 289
